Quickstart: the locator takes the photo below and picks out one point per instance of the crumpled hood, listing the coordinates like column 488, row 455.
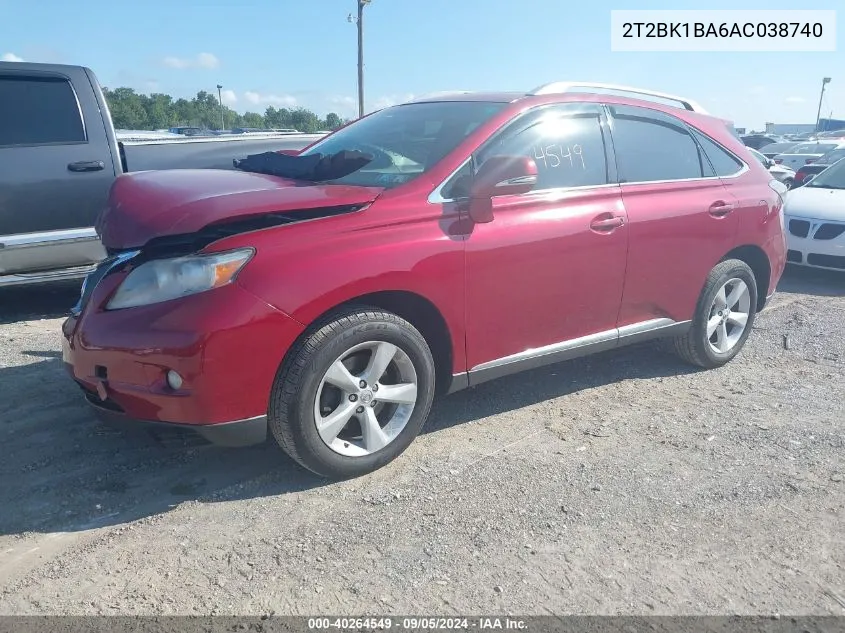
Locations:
column 815, row 203
column 145, row 205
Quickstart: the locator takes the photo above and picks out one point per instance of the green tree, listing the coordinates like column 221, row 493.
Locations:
column 333, row 121
column 131, row 110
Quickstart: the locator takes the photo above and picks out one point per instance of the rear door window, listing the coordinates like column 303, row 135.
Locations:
column 566, row 142
column 652, row 146
column 38, row 111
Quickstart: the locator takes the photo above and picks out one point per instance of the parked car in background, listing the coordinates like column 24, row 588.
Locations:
column 831, row 134
column 804, row 153
column 815, row 220
column 818, row 166
column 462, row 239
column 773, row 150
column 59, row 155
column 782, row 173
column 758, row 141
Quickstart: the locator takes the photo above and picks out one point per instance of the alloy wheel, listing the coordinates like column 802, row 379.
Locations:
column 365, row 398
column 729, row 315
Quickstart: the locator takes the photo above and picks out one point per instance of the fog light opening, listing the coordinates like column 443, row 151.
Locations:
column 174, row 380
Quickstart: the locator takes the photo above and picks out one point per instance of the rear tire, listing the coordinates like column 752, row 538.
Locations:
column 332, row 413
column 723, row 316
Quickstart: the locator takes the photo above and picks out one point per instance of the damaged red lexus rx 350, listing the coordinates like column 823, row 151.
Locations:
column 425, row 248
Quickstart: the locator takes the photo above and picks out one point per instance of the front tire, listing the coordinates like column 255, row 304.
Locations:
column 723, row 317
column 353, row 394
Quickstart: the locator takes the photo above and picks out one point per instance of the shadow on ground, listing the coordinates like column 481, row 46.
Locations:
column 64, row 471
column 812, row 281
column 41, row 301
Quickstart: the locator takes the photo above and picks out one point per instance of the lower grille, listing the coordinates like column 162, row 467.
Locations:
column 794, row 257
column 94, row 398
column 799, row 228
column 828, row 261
column 829, row 231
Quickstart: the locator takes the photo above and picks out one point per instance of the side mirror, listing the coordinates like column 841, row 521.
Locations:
column 500, row 176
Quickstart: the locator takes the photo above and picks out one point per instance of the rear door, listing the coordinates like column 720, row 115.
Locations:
column 55, row 169
column 681, row 217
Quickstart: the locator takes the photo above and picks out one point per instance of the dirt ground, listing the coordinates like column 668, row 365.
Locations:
column 625, row 483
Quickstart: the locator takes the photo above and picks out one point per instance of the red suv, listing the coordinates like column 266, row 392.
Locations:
column 481, row 235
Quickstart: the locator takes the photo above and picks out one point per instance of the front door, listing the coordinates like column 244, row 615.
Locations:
column 546, row 275
column 57, row 170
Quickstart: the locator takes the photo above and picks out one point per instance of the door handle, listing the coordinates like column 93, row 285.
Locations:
column 720, row 208
column 87, row 165
column 605, row 224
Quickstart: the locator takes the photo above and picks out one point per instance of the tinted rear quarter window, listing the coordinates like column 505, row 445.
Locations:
column 35, row 111
column 723, row 162
column 652, row 146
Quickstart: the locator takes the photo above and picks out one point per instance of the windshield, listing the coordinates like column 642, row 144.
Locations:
column 831, row 178
column 405, row 141
column 812, row 148
column 831, row 157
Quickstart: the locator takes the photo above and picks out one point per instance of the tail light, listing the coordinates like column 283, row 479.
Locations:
column 800, row 176
column 810, row 160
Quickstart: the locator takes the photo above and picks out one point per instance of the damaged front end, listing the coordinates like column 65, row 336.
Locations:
column 180, row 251
column 171, row 217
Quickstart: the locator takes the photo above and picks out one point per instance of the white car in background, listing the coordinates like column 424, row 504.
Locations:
column 780, row 172
column 799, row 155
column 815, row 220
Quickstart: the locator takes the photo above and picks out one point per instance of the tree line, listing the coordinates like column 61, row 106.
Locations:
column 133, row 111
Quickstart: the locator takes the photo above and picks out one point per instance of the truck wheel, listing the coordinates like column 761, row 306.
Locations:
column 352, row 395
column 723, row 317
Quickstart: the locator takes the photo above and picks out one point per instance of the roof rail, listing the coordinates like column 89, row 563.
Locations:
column 560, row 87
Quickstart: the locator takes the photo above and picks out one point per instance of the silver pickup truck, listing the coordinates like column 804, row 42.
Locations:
column 59, row 156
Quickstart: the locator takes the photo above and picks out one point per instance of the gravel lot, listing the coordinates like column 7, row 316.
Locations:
column 624, row 483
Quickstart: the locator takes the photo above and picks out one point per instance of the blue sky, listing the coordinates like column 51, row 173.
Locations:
column 303, row 52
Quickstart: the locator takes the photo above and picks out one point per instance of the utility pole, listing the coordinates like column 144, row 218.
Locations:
column 220, row 99
column 360, row 23
column 825, row 81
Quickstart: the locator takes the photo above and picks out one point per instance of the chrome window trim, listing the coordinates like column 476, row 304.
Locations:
column 436, row 196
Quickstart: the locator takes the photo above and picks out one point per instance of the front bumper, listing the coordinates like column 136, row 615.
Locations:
column 226, row 344
column 815, row 243
column 237, row 433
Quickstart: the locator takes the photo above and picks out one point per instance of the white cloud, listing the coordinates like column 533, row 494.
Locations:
column 389, row 100
column 203, row 60
column 10, row 57
column 229, row 97
column 795, row 100
column 256, row 98
column 207, row 60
